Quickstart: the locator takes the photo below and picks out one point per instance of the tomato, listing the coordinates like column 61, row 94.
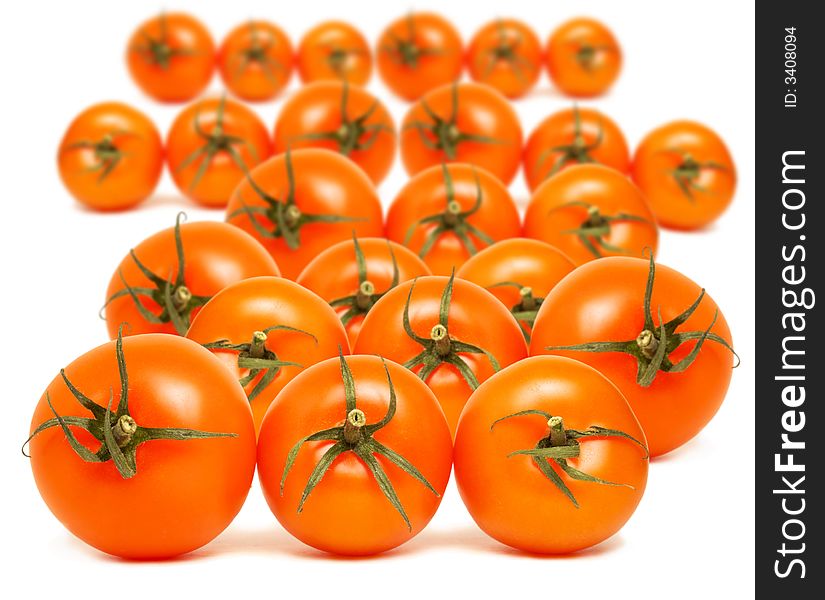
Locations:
column 360, row 469
column 687, row 174
column 163, row 281
column 549, row 458
column 255, row 60
column 171, row 57
column 583, row 58
column 111, row 157
column 143, row 448
column 573, row 136
column 299, row 203
column 353, row 275
column 668, row 350
column 591, row 211
column 447, row 212
column 339, row 117
column 334, row 50
column 452, row 333
column 465, row 122
column 507, row 55
column 211, row 145
column 520, row 272
column 418, row 53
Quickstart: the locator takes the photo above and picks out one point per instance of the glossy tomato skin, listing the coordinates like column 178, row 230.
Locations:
column 333, row 274
column 191, row 66
column 662, row 151
column 139, row 165
column 508, row 496
column 592, row 76
column 326, row 183
column 346, row 513
column 268, row 73
column 603, row 301
column 550, row 216
column 513, row 77
column 441, row 55
column 334, row 50
column 254, row 304
column 185, row 492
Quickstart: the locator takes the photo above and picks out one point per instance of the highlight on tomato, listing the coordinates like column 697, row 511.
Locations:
column 549, row 458
column 143, row 447
column 353, row 275
column 507, row 55
column 687, row 173
column 171, row 57
column 361, row 469
column 452, row 333
column 463, row 122
column 111, row 157
column 343, row 118
column 211, row 146
column 583, row 58
column 653, row 332
column 299, row 203
column 591, row 211
column 334, row 50
column 165, row 280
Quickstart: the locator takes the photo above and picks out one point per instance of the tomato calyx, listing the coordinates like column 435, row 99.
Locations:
column 506, row 51
column 156, row 50
column 337, row 58
column 356, row 435
column 596, row 226
column 553, row 450
column 577, row 151
column 526, row 309
column 107, row 154
column 406, row 51
column 257, row 52
column 586, row 55
column 689, row 171
column 116, row 430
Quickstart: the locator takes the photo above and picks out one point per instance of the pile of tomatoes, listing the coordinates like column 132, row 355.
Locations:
column 356, row 358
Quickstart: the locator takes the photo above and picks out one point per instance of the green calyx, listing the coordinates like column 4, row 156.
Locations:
column 526, row 309
column 653, row 346
column 689, row 171
column 338, row 57
column 552, row 451
column 597, row 226
column 356, row 435
column 407, row 51
column 578, row 151
column 586, row 55
column 258, row 52
column 156, row 50
column 116, row 430
column 506, row 51
column 107, row 154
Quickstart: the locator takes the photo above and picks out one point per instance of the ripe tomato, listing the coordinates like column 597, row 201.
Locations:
column 334, row 50
column 465, row 122
column 360, row 469
column 353, row 275
column 507, row 55
column 342, row 118
column 573, row 136
column 299, row 203
column 583, row 58
column 667, row 350
column 687, row 174
column 591, row 211
column 171, row 57
column 418, row 53
column 163, row 281
column 211, row 145
column 447, row 212
column 450, row 332
column 255, row 60
column 111, row 157
column 144, row 448
column 549, row 457
column 520, row 272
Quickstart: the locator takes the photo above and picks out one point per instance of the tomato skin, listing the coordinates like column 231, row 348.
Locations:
column 655, row 160
column 346, row 513
column 255, row 80
column 185, row 492
column 549, row 216
column 508, row 496
column 603, row 301
column 139, row 167
column 189, row 71
column 513, row 79
column 568, row 73
column 316, row 59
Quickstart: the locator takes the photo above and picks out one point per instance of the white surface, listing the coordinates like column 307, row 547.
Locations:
column 693, row 532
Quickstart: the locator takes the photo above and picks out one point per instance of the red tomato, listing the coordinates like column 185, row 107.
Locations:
column 334, row 50
column 583, row 58
column 507, row 55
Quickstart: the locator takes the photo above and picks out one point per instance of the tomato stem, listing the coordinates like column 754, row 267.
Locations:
column 123, row 430
column 440, row 336
column 528, row 301
column 257, row 349
column 363, row 299
column 558, row 437
column 353, row 425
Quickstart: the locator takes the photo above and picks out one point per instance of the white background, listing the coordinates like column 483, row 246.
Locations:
column 692, row 535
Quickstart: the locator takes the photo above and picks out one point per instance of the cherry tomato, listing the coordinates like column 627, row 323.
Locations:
column 507, row 55
column 334, row 50
column 111, row 157
column 171, row 57
column 549, row 458
column 591, row 211
column 144, row 448
column 465, row 122
column 299, row 203
column 687, row 174
column 361, row 468
column 583, row 58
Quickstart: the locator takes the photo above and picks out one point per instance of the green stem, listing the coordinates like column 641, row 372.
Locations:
column 257, row 349
column 364, row 297
column 356, row 419
column 558, row 437
column 441, row 337
column 123, row 430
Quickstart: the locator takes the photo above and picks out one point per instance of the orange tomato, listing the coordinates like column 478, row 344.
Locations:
column 507, row 55
column 334, row 50
column 583, row 58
